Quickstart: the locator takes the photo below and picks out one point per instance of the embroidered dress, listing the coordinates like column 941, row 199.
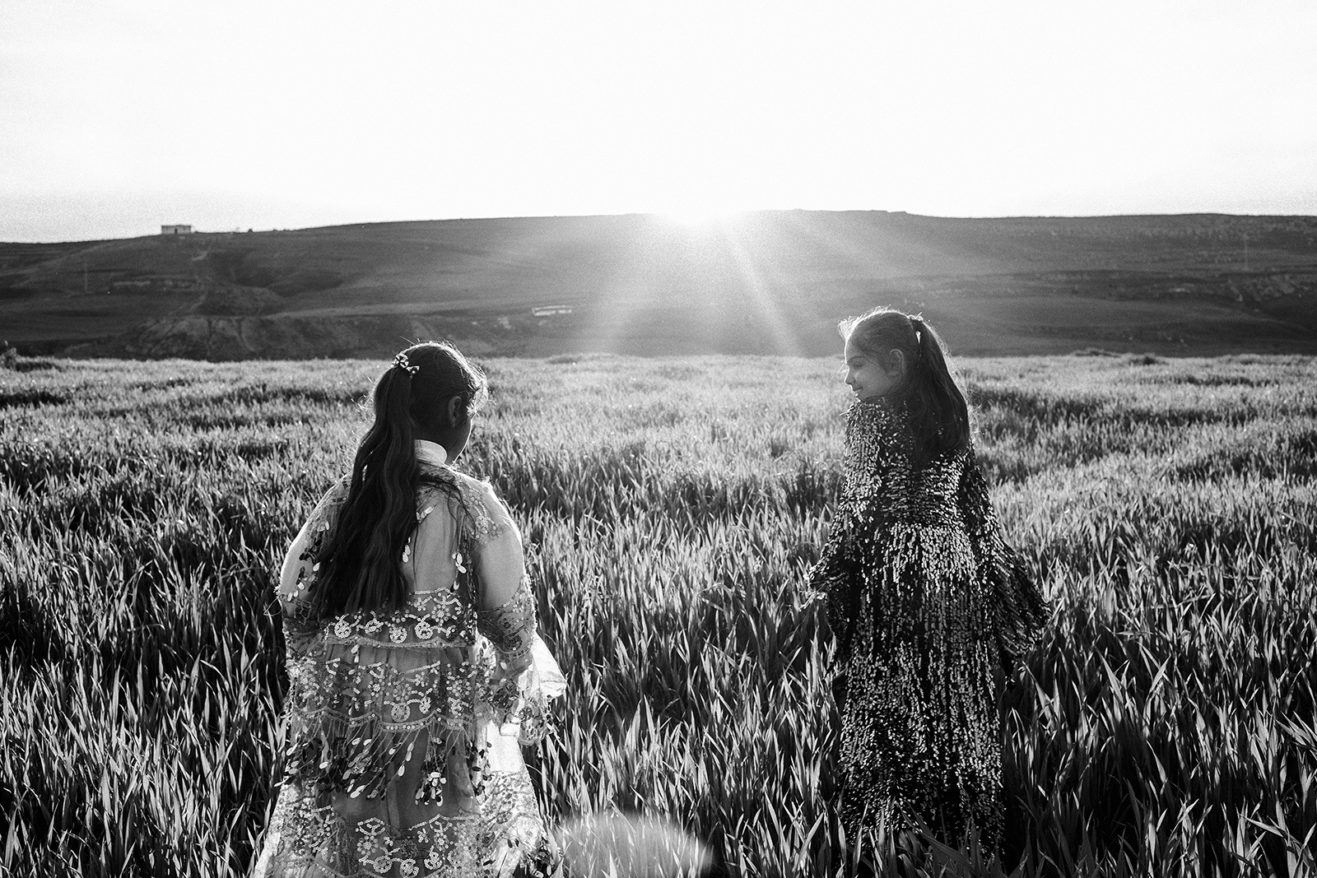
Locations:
column 403, row 729
column 931, row 608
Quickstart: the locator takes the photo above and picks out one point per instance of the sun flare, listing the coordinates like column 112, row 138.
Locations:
column 697, row 213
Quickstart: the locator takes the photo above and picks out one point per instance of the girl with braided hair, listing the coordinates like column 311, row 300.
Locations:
column 415, row 671
column 930, row 607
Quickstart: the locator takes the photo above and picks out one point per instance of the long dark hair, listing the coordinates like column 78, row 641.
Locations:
column 939, row 415
column 360, row 561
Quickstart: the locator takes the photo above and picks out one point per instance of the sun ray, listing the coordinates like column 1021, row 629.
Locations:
column 763, row 280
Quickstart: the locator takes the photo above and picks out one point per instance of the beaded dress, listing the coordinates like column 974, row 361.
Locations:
column 931, row 608
column 403, row 728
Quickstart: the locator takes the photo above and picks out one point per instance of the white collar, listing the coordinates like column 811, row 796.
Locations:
column 431, row 452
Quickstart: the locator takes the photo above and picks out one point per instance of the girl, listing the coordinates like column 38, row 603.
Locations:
column 414, row 666
column 930, row 606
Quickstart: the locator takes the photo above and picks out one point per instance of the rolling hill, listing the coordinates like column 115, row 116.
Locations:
column 765, row 283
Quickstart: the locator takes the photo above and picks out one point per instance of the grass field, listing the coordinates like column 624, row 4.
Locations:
column 1165, row 726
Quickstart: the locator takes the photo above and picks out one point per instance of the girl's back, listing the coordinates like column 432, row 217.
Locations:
column 403, row 723
column 880, row 459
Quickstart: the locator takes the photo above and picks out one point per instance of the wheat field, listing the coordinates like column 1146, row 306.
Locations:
column 1165, row 725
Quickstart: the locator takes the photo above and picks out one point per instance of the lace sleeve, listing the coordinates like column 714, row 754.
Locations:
column 511, row 627
column 525, row 676
column 486, row 518
column 1019, row 611
column 299, row 565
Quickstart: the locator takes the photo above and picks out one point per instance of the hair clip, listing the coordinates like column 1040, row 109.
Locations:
column 917, row 324
column 400, row 360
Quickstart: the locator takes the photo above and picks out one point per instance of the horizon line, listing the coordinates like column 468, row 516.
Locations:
column 722, row 217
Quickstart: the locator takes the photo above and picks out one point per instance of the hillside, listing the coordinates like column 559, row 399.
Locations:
column 773, row 282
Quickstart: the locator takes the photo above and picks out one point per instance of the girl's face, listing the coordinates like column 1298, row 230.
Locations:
column 869, row 378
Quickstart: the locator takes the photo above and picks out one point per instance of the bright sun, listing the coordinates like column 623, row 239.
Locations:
column 697, row 213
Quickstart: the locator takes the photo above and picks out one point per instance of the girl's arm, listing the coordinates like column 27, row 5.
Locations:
column 1018, row 609
column 873, row 454
column 830, row 584
column 299, row 561
column 526, row 677
column 504, row 603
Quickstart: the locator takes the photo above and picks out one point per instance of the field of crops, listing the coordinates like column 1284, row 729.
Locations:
column 1165, row 726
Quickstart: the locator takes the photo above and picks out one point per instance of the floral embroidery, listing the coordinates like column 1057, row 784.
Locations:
column 473, row 501
column 383, row 701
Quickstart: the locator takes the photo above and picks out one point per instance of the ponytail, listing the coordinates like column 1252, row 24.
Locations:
column 359, row 563
column 937, row 405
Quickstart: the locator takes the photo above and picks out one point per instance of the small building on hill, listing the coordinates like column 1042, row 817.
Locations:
column 176, row 230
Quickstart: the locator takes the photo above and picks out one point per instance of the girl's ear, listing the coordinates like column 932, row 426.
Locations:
column 896, row 364
column 456, row 412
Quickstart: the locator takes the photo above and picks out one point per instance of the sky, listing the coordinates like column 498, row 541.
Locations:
column 117, row 116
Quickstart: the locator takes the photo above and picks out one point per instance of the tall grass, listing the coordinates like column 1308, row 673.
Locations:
column 1165, row 726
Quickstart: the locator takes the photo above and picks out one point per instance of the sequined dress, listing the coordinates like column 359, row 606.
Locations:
column 403, row 729
column 930, row 608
